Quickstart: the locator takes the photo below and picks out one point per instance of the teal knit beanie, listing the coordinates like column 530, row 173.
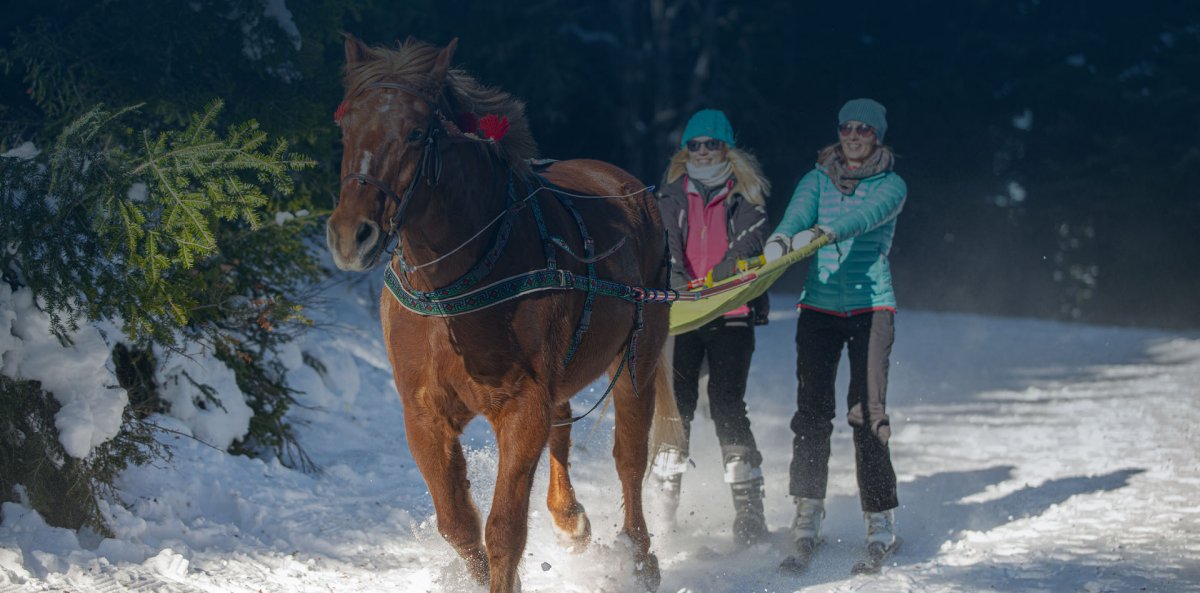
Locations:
column 711, row 123
column 867, row 111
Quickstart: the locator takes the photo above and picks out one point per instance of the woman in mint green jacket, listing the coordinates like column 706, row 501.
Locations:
column 854, row 196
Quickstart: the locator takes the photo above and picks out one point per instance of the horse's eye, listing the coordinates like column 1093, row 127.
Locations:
column 415, row 136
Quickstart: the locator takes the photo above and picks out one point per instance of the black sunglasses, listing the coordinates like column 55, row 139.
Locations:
column 711, row 144
column 864, row 131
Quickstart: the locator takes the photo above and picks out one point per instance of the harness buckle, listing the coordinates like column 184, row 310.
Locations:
column 566, row 279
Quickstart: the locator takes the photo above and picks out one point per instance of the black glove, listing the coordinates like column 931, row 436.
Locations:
column 724, row 269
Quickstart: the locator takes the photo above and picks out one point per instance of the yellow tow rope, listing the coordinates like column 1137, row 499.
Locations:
column 689, row 314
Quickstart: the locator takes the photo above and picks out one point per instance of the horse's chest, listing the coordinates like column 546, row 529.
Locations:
column 463, row 353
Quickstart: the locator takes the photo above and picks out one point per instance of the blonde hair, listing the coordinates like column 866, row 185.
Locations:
column 751, row 182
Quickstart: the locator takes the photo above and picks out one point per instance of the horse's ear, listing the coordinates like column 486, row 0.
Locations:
column 355, row 50
column 442, row 64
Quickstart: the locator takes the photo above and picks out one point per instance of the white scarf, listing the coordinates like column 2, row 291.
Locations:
column 710, row 175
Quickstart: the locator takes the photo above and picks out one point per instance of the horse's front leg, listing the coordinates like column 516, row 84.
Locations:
column 522, row 429
column 438, row 453
column 634, row 415
column 570, row 520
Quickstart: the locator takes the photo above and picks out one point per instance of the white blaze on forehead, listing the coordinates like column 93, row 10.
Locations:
column 364, row 164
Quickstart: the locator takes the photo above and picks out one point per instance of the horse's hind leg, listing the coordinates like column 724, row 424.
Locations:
column 439, row 455
column 570, row 520
column 522, row 429
column 634, row 415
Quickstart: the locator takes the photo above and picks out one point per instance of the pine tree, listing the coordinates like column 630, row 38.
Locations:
column 98, row 231
column 164, row 234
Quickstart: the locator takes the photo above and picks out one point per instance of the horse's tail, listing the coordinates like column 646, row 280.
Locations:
column 667, row 431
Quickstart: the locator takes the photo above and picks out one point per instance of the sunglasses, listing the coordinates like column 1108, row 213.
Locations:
column 864, row 131
column 711, row 144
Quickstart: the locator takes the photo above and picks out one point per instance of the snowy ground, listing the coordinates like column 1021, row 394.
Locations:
column 1032, row 456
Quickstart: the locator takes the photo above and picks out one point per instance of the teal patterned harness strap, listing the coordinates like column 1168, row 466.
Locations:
column 502, row 291
column 484, row 266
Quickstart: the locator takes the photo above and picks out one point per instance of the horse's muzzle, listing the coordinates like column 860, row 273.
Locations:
column 354, row 253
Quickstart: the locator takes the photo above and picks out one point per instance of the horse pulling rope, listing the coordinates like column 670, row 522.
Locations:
column 518, row 368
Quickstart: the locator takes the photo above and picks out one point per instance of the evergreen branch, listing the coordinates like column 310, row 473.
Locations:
column 210, row 113
column 191, row 154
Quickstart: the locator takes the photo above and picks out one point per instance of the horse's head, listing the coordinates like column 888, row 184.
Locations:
column 387, row 118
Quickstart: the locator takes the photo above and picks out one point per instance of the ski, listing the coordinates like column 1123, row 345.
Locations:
column 798, row 563
column 877, row 554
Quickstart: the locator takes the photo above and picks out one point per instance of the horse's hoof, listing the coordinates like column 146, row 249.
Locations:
column 576, row 538
column 647, row 573
column 478, row 568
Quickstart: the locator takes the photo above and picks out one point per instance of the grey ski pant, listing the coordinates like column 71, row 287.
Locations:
column 820, row 338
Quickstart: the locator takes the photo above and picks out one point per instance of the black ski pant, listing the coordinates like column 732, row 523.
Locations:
column 728, row 345
column 820, row 338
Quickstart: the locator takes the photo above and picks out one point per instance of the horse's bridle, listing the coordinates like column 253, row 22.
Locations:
column 429, row 166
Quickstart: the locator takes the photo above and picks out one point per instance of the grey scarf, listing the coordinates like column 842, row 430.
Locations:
column 834, row 162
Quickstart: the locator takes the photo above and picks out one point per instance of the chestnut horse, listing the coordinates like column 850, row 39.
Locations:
column 468, row 209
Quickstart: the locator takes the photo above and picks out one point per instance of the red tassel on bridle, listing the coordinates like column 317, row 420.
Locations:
column 339, row 113
column 493, row 127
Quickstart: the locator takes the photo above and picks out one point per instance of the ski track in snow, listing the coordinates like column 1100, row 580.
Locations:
column 1032, row 456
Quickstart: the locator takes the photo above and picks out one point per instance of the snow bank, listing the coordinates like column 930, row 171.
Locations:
column 202, row 392
column 79, row 375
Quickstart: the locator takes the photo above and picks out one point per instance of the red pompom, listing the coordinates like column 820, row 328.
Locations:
column 467, row 122
column 494, row 126
column 339, row 113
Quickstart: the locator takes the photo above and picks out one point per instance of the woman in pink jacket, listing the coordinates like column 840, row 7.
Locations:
column 712, row 203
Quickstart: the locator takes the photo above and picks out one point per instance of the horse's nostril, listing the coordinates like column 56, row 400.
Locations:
column 364, row 232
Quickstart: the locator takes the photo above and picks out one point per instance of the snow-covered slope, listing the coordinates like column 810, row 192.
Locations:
column 1032, row 456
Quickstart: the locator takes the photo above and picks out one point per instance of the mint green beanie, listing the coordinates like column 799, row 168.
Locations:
column 711, row 123
column 867, row 111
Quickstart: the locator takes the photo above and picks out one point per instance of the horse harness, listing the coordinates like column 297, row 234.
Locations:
column 466, row 295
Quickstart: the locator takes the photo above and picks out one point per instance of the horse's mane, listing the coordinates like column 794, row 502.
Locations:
column 411, row 62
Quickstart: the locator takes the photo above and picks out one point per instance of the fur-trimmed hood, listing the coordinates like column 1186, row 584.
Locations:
column 751, row 182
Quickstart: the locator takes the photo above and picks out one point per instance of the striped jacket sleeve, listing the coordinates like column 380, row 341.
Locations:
column 747, row 226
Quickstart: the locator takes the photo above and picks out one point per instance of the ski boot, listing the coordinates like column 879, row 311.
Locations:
column 746, row 483
column 881, row 542
column 667, row 477
column 806, row 534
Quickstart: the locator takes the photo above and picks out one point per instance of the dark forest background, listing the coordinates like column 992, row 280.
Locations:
column 1051, row 148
